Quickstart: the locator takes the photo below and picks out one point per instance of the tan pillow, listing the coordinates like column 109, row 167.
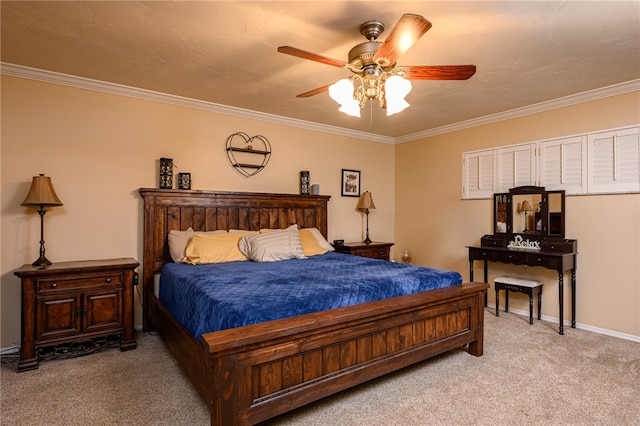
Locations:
column 178, row 242
column 280, row 244
column 320, row 238
column 214, row 248
column 310, row 244
column 241, row 231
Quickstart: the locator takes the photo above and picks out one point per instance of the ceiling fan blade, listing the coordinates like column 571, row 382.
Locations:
column 404, row 35
column 293, row 51
column 313, row 92
column 439, row 72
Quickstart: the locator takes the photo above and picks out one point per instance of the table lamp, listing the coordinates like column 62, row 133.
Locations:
column 365, row 203
column 526, row 208
column 41, row 195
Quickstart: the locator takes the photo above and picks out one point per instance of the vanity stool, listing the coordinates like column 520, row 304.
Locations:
column 526, row 286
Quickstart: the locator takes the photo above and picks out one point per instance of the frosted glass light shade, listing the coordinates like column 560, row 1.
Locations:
column 342, row 92
column 395, row 89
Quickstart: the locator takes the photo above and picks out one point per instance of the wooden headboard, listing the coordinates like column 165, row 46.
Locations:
column 168, row 209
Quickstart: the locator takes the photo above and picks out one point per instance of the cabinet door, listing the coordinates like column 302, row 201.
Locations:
column 58, row 316
column 103, row 310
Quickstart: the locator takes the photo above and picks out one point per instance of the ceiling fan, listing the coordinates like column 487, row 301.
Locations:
column 373, row 64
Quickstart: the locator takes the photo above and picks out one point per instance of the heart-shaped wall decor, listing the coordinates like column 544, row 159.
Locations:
column 248, row 154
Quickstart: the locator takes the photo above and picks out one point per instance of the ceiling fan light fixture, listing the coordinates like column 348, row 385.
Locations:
column 342, row 92
column 395, row 90
column 373, row 64
column 351, row 108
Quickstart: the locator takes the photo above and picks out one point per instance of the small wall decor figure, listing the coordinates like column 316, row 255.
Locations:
column 304, row 182
column 166, row 173
column 184, row 180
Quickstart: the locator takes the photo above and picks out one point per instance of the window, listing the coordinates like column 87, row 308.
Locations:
column 478, row 179
column 516, row 166
column 563, row 164
column 604, row 162
column 614, row 161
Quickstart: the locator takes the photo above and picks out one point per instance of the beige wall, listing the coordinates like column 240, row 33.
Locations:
column 100, row 148
column 436, row 224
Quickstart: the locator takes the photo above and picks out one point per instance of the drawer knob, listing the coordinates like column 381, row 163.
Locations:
column 54, row 285
column 108, row 280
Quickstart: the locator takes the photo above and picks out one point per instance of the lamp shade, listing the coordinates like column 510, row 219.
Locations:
column 366, row 202
column 525, row 206
column 41, row 193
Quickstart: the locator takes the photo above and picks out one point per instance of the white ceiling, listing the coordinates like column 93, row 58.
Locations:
column 224, row 52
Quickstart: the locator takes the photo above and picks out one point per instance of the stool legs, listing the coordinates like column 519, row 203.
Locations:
column 531, row 309
column 527, row 290
column 539, row 301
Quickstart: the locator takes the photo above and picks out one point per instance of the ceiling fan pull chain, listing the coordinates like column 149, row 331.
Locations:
column 371, row 114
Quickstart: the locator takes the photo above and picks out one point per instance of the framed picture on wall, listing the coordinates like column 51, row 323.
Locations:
column 350, row 183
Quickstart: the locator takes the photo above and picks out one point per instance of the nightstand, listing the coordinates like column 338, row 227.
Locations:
column 374, row 250
column 72, row 308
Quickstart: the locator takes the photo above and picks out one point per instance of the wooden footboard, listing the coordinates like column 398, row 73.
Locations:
column 250, row 374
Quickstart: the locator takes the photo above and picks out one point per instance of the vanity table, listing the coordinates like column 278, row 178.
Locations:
column 530, row 236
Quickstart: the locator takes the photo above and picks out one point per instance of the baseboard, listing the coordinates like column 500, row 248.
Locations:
column 567, row 324
column 9, row 350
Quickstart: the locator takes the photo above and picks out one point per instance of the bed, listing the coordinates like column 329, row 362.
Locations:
column 252, row 373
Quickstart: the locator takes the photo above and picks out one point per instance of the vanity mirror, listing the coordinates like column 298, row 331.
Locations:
column 529, row 210
column 555, row 206
column 526, row 207
column 501, row 209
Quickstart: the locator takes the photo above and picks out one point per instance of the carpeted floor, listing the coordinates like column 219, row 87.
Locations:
column 529, row 374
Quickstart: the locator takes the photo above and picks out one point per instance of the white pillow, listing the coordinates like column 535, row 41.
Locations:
column 177, row 242
column 272, row 246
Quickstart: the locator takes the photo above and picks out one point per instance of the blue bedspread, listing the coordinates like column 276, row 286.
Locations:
column 206, row 298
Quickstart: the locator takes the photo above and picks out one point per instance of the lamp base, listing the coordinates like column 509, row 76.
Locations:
column 367, row 240
column 42, row 261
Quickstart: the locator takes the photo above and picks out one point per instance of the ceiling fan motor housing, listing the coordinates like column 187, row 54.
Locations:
column 362, row 54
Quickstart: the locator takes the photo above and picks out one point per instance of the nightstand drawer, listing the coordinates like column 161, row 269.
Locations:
column 79, row 282
column 373, row 250
column 374, row 253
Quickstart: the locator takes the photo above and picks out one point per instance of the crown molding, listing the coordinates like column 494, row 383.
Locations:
column 591, row 95
column 118, row 89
